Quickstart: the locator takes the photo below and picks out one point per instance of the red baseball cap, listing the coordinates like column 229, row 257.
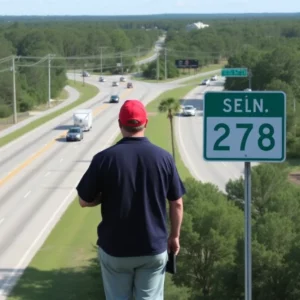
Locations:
column 133, row 110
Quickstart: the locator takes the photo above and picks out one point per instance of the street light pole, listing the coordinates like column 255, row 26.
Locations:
column 15, row 119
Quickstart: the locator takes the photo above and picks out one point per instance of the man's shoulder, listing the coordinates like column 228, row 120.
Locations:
column 119, row 147
column 106, row 152
column 161, row 151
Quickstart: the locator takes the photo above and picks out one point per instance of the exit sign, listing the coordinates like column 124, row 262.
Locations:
column 234, row 72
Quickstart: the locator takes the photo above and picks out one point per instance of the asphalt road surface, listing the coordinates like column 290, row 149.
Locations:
column 189, row 134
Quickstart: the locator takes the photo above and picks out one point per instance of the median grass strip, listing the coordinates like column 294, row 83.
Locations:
column 66, row 266
column 86, row 92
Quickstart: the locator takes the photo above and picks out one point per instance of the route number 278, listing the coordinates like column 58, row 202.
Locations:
column 266, row 133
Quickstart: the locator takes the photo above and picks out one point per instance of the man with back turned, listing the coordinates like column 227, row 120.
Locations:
column 132, row 181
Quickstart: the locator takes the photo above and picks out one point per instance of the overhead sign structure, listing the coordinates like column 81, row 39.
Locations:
column 187, row 63
column 244, row 126
column 234, row 72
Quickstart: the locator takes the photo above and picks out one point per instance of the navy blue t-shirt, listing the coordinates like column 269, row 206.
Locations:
column 135, row 178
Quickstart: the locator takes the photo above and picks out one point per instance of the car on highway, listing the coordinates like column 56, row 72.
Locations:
column 205, row 82
column 129, row 85
column 214, row 78
column 122, row 79
column 114, row 99
column 85, row 74
column 115, row 83
column 248, row 90
column 101, row 79
column 189, row 110
column 75, row 133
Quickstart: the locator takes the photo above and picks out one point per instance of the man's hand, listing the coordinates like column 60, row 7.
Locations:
column 96, row 202
column 173, row 245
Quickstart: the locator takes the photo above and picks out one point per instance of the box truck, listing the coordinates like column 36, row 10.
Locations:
column 83, row 118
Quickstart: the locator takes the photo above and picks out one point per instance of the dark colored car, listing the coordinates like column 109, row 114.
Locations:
column 74, row 134
column 115, row 83
column 114, row 99
column 129, row 85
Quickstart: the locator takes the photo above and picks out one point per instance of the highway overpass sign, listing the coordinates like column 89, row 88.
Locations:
column 244, row 126
column 234, row 72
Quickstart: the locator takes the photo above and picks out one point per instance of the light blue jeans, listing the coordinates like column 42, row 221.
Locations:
column 128, row 278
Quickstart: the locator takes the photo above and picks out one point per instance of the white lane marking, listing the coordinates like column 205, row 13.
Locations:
column 1, row 221
column 27, row 194
column 112, row 137
column 191, row 165
column 18, row 270
column 48, row 173
column 61, row 160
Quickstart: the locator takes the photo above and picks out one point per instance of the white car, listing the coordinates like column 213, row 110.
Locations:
column 205, row 82
column 189, row 110
column 214, row 78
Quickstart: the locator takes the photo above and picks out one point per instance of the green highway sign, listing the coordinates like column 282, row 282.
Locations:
column 244, row 126
column 234, row 72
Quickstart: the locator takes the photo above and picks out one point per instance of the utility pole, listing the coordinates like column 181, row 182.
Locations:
column 14, row 90
column 139, row 70
column 121, row 62
column 101, row 60
column 157, row 66
column 166, row 75
column 83, row 73
column 49, row 79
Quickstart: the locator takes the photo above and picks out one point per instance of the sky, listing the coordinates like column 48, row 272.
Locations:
column 142, row 7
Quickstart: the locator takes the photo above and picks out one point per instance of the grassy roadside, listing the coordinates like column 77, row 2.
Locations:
column 86, row 92
column 184, row 74
column 66, row 266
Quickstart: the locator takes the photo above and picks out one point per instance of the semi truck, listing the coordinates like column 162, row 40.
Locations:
column 83, row 118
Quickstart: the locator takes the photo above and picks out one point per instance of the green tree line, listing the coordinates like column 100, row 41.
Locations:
column 63, row 40
column 223, row 39
column 211, row 261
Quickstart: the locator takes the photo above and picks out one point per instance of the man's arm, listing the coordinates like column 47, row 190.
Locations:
column 176, row 215
column 90, row 186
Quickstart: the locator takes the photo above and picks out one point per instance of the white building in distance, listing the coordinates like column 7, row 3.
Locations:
column 194, row 26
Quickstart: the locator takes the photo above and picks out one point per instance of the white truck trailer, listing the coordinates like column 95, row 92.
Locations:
column 83, row 118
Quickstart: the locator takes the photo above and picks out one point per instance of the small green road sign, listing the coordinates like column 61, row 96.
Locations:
column 234, row 72
column 244, row 126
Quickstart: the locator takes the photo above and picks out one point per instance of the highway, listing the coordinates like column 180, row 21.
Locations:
column 189, row 134
column 39, row 172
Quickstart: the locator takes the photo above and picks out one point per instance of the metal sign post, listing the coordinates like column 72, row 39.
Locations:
column 245, row 126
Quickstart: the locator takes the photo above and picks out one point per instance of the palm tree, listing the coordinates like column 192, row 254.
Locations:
column 171, row 106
